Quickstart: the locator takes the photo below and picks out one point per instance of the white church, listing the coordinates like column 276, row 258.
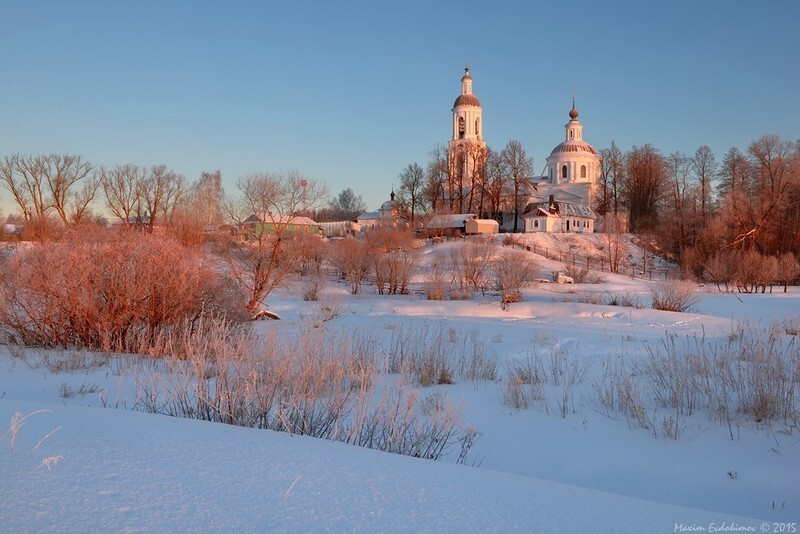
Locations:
column 558, row 201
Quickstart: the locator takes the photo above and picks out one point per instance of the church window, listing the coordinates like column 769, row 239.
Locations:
column 571, row 134
column 564, row 171
column 583, row 171
column 461, row 127
column 536, row 224
column 477, row 126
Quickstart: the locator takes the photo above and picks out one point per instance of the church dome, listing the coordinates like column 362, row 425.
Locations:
column 467, row 100
column 572, row 147
column 573, row 114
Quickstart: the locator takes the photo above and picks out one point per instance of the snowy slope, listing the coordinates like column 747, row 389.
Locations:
column 127, row 471
column 588, row 471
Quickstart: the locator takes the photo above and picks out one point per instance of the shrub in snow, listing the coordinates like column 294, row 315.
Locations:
column 430, row 356
column 392, row 270
column 435, row 280
column 470, row 265
column 122, row 293
column 752, row 376
column 674, row 296
column 511, row 273
column 629, row 299
column 316, row 384
column 524, row 383
column 511, row 240
column 353, row 260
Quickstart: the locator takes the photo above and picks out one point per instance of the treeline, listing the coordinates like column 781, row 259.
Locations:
column 691, row 207
column 698, row 209
column 56, row 192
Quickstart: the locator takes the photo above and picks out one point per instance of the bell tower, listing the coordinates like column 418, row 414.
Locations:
column 466, row 149
column 467, row 113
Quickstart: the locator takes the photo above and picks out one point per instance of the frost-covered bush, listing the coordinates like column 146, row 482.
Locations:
column 430, row 355
column 512, row 273
column 470, row 264
column 435, row 283
column 109, row 293
column 674, row 296
column 315, row 383
column 628, row 299
column 751, row 377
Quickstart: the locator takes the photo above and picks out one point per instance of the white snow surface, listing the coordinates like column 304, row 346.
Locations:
column 77, row 466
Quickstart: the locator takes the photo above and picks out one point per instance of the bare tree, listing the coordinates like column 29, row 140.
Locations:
column 267, row 256
column 412, row 182
column 83, row 198
column 25, row 178
column 61, row 174
column 519, row 167
column 476, row 162
column 42, row 183
column 642, row 185
column 611, row 170
column 122, row 188
column 720, row 268
column 496, row 182
column 158, row 193
column 734, row 173
column 777, row 166
column 615, row 245
column 788, row 269
column 705, row 169
column 436, row 190
column 208, row 196
column 678, row 168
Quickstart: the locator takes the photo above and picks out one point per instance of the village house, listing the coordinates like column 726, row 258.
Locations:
column 390, row 213
column 558, row 217
column 255, row 226
column 459, row 224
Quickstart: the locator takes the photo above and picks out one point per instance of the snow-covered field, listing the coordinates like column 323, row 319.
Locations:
column 76, row 464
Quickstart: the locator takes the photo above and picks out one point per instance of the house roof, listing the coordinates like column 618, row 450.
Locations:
column 368, row 216
column 563, row 209
column 282, row 219
column 454, row 220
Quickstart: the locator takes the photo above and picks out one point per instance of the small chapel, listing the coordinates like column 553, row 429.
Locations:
column 560, row 199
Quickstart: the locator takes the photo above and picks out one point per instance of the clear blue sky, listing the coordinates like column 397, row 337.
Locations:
column 350, row 93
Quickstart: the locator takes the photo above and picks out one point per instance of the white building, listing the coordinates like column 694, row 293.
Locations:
column 389, row 214
column 555, row 216
column 573, row 168
column 466, row 149
column 448, row 223
column 558, row 201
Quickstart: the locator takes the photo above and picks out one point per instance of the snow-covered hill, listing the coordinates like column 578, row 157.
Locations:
column 77, row 465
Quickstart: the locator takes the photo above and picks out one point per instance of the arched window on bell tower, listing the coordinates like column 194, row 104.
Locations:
column 461, row 128
column 564, row 172
column 583, row 171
